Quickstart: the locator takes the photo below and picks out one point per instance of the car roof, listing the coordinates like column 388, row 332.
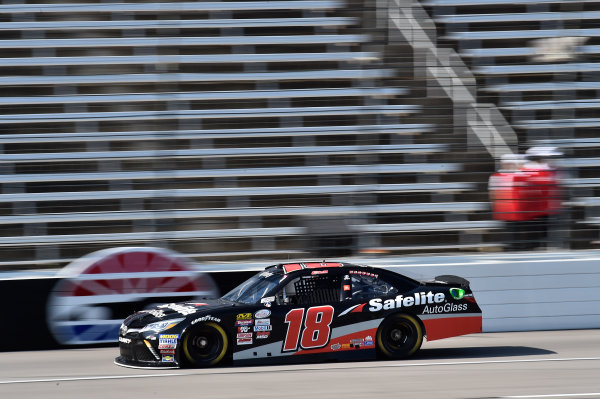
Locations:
column 292, row 267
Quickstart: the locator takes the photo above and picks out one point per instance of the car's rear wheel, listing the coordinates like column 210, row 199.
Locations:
column 204, row 345
column 399, row 336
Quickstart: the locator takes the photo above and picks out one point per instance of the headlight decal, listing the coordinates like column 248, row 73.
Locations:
column 162, row 325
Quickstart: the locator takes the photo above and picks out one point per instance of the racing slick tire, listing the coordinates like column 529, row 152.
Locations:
column 204, row 345
column 399, row 336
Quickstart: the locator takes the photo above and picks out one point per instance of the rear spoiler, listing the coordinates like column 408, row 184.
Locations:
column 450, row 279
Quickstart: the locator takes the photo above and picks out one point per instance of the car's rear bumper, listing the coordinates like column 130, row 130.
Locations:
column 438, row 326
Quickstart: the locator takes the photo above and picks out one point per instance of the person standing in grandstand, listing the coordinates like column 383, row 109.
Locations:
column 506, row 205
column 541, row 196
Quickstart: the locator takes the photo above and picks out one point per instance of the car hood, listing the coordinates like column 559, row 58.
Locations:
column 190, row 309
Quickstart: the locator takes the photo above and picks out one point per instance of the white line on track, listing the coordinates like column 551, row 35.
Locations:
column 557, row 395
column 233, row 370
column 93, row 378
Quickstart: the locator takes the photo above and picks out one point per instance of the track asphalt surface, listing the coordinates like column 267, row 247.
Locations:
column 538, row 364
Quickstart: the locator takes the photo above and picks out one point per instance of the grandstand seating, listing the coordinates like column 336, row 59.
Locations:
column 539, row 62
column 215, row 128
column 239, row 191
column 398, row 129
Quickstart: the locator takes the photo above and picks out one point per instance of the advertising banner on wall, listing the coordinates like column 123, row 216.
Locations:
column 96, row 292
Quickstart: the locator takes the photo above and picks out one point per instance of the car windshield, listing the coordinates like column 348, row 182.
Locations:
column 253, row 289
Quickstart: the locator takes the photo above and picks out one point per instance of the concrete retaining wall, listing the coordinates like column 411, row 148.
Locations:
column 526, row 292
column 516, row 292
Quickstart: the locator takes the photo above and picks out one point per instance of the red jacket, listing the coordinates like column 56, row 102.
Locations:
column 505, row 195
column 541, row 192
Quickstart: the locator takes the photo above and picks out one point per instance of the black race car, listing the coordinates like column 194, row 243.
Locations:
column 302, row 311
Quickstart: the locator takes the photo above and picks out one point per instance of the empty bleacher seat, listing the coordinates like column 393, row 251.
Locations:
column 58, row 137
column 204, row 96
column 141, row 78
column 494, row 4
column 176, row 24
column 516, row 17
column 342, row 56
column 158, row 7
column 239, row 191
column 517, row 52
column 222, row 152
column 332, row 170
column 552, row 104
column 533, row 69
column 214, row 127
column 206, row 114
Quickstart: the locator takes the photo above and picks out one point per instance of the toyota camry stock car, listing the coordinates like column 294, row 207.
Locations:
column 302, row 311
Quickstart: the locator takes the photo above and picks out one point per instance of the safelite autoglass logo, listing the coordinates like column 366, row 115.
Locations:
column 416, row 299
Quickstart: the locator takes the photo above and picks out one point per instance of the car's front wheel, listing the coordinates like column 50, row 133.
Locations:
column 399, row 336
column 204, row 345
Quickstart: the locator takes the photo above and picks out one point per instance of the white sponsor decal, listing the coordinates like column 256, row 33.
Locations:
column 418, row 298
column 262, row 322
column 263, row 335
column 261, row 314
column 267, row 301
column 206, row 318
column 167, row 341
column 156, row 313
column 350, row 309
column 263, row 328
column 184, row 310
column 125, row 340
column 445, row 308
column 244, row 341
column 244, row 335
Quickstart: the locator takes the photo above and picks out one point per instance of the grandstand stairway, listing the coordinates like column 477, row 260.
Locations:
column 222, row 130
column 539, row 62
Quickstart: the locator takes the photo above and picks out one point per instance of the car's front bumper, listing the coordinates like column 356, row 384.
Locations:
column 135, row 351
column 125, row 362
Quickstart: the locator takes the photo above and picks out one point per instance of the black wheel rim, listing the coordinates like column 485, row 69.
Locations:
column 204, row 344
column 400, row 336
